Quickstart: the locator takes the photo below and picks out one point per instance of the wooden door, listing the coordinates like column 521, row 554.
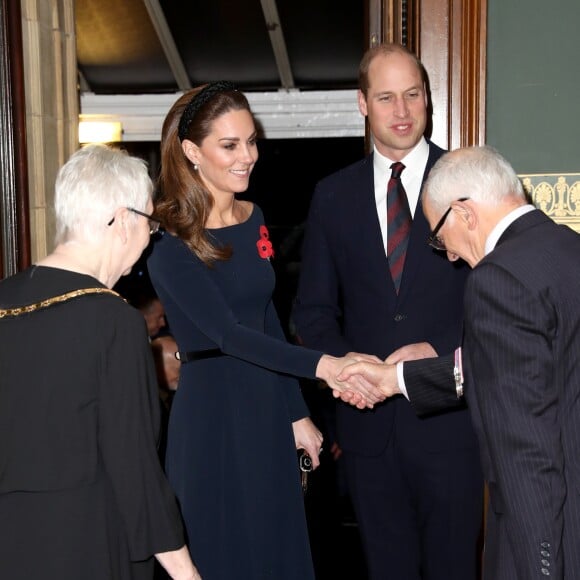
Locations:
column 449, row 36
column 14, row 228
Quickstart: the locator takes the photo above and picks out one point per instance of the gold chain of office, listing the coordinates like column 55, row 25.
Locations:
column 12, row 312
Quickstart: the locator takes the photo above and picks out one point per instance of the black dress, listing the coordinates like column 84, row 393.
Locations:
column 82, row 493
column 231, row 455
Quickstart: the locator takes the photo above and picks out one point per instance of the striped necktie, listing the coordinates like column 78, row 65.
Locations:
column 398, row 224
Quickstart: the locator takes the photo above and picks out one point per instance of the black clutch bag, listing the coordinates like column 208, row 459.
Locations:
column 305, row 465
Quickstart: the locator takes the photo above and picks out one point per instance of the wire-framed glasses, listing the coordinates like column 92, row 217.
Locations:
column 153, row 223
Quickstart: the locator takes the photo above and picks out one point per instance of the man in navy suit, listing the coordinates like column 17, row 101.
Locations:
column 416, row 484
column 522, row 361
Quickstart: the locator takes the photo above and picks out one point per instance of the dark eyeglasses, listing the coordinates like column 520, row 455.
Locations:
column 153, row 223
column 434, row 240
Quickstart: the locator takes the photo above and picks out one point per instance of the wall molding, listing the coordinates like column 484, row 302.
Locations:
column 453, row 48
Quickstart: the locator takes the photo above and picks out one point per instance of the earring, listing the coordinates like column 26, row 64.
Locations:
column 195, row 166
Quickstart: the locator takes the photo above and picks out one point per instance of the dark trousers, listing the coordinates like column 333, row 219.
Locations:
column 419, row 513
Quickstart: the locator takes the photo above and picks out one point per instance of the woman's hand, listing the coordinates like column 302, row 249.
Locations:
column 309, row 438
column 178, row 564
column 358, row 392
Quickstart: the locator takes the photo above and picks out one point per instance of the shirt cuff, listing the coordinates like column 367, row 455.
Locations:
column 401, row 380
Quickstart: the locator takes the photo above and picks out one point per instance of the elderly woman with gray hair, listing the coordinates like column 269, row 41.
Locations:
column 82, row 493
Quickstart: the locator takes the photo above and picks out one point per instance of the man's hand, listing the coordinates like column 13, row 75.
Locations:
column 413, row 351
column 360, row 357
column 380, row 375
column 357, row 392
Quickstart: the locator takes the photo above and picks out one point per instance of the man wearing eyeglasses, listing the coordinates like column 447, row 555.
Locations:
column 522, row 364
column 362, row 291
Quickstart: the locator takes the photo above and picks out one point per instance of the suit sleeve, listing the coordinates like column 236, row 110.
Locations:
column 508, row 340
column 317, row 310
column 186, row 280
column 431, row 385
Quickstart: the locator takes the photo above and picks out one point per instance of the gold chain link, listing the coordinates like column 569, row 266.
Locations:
column 8, row 312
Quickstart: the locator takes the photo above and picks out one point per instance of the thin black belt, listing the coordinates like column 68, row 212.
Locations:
column 191, row 355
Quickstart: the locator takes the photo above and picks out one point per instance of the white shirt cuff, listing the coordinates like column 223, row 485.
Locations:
column 401, row 380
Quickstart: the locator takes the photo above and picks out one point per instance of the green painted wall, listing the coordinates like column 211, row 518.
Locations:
column 533, row 83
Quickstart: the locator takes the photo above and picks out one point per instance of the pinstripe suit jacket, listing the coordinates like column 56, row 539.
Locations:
column 522, row 361
column 522, row 348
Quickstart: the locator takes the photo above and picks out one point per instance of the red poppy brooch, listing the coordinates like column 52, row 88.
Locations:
column 265, row 249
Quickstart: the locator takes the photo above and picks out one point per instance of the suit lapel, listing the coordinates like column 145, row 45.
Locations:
column 370, row 233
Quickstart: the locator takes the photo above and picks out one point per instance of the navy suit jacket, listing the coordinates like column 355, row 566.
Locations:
column 522, row 383
column 347, row 302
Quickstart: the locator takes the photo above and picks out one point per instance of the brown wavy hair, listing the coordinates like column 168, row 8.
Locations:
column 183, row 202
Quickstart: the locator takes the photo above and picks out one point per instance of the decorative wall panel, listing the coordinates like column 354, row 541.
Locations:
column 556, row 194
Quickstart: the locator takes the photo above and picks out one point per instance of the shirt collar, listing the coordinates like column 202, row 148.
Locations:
column 417, row 157
column 504, row 224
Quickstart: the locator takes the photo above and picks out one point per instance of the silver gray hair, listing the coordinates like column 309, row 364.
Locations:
column 92, row 185
column 479, row 173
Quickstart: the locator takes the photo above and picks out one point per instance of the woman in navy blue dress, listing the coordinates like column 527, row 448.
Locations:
column 238, row 415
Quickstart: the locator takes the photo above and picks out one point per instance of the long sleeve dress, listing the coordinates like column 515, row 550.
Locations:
column 82, row 491
column 231, row 455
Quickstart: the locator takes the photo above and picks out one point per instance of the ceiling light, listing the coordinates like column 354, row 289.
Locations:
column 100, row 132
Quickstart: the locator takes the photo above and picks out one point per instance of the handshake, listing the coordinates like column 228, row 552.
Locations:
column 364, row 380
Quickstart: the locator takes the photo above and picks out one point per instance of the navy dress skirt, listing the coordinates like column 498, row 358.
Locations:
column 231, row 456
